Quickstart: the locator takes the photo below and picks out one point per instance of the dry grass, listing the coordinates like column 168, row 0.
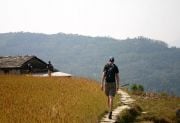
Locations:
column 50, row 99
column 161, row 109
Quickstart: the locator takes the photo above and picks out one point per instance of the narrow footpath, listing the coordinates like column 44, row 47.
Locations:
column 126, row 100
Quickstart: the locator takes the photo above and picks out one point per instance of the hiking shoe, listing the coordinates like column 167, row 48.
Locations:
column 110, row 115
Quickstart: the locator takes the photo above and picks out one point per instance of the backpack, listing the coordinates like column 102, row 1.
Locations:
column 110, row 73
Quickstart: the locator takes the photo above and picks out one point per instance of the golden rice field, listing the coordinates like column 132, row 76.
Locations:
column 50, row 99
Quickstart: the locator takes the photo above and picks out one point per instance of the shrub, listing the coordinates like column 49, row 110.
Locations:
column 137, row 89
column 156, row 119
column 134, row 87
column 129, row 115
column 140, row 88
column 178, row 115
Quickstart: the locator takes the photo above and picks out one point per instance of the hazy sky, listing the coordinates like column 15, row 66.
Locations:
column 157, row 19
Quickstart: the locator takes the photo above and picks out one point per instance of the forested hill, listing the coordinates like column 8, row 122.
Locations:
column 141, row 60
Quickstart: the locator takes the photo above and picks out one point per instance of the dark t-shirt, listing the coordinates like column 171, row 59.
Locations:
column 110, row 70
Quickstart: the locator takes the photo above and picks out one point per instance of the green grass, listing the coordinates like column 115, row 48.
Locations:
column 50, row 99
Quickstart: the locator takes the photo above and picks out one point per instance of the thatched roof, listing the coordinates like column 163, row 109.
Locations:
column 13, row 61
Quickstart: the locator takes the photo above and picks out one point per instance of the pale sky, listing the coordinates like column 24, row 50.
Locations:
column 156, row 19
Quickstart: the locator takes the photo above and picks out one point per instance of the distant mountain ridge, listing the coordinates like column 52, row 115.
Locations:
column 141, row 60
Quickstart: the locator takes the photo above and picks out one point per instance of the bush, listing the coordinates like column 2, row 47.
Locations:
column 178, row 115
column 134, row 87
column 140, row 88
column 129, row 115
column 125, row 117
column 156, row 119
column 137, row 89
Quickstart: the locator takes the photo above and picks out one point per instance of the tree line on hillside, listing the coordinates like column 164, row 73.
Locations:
column 141, row 60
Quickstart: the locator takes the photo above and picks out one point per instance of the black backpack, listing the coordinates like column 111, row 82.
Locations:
column 110, row 73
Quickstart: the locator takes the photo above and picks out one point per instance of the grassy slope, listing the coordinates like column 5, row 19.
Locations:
column 38, row 99
column 159, row 108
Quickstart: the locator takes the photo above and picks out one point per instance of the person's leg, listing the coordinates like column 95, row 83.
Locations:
column 107, row 94
column 49, row 73
column 110, row 103
column 110, row 106
column 112, row 93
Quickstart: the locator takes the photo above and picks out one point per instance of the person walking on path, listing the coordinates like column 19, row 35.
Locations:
column 30, row 68
column 110, row 82
column 50, row 68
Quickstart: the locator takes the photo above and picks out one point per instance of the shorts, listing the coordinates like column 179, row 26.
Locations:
column 110, row 89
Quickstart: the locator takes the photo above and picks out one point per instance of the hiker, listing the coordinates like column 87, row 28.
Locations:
column 110, row 82
column 50, row 68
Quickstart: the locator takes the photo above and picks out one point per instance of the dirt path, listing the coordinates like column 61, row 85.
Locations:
column 126, row 100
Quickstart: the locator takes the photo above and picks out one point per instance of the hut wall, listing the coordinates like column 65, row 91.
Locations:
column 38, row 66
column 14, row 71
